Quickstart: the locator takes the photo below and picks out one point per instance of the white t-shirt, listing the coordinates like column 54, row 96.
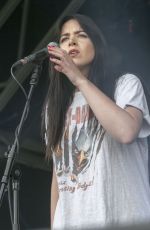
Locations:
column 101, row 181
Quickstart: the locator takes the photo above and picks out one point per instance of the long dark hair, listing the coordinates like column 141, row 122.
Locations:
column 61, row 90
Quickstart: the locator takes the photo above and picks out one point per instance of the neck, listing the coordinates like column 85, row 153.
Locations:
column 85, row 71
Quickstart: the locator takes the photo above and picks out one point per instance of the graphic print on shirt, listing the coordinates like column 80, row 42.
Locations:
column 76, row 156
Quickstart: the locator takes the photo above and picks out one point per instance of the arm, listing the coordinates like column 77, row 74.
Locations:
column 122, row 124
column 54, row 196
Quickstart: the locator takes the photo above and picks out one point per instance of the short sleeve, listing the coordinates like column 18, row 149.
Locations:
column 129, row 92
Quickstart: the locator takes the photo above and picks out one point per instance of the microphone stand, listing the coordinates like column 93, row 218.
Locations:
column 16, row 186
column 13, row 150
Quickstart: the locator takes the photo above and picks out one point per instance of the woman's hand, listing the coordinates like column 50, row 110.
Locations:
column 63, row 63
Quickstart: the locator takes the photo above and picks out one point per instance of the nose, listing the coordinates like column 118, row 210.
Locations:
column 72, row 41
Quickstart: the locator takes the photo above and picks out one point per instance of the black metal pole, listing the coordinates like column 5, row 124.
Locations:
column 16, row 187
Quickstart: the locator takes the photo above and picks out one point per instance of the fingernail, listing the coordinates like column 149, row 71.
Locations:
column 51, row 47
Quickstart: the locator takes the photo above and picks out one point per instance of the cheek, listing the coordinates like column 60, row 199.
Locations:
column 90, row 52
column 90, row 48
column 63, row 46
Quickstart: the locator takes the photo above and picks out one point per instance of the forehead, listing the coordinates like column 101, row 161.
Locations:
column 70, row 26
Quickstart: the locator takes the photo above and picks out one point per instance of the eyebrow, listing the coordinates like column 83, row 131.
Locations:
column 76, row 32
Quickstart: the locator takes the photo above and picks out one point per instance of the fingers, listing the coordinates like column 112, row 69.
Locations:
column 55, row 60
column 57, row 64
column 55, row 57
column 58, row 68
column 62, row 61
column 56, row 51
column 58, row 57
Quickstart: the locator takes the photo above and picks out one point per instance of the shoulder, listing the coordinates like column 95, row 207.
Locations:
column 127, row 78
column 128, row 83
column 129, row 91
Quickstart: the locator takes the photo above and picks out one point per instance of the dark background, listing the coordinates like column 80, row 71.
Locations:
column 126, row 25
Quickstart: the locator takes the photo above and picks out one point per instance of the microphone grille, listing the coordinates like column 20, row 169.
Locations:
column 53, row 44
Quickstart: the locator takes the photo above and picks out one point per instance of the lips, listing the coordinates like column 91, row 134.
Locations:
column 73, row 52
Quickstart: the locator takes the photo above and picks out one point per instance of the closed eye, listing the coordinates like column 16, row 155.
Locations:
column 83, row 35
column 63, row 39
column 77, row 34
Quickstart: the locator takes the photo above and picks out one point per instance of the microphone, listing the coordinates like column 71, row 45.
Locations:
column 35, row 57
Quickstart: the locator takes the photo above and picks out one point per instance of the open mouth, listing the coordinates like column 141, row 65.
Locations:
column 73, row 53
